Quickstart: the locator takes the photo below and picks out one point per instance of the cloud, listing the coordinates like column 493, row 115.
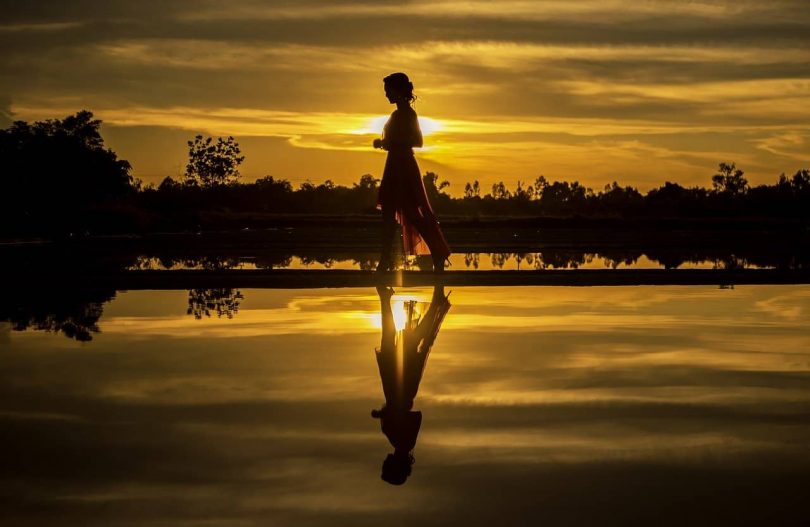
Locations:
column 214, row 425
column 517, row 86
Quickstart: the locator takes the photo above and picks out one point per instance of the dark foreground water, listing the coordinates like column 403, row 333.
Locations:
column 539, row 406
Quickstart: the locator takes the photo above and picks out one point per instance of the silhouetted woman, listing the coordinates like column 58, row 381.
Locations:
column 402, row 196
column 401, row 359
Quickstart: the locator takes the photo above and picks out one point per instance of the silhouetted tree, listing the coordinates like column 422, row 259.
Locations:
column 213, row 163
column 729, row 180
column 561, row 196
column 472, row 191
column 432, row 184
column 168, row 184
column 57, row 177
column 268, row 182
column 367, row 182
column 499, row 191
column 800, row 182
column 523, row 193
column 53, row 171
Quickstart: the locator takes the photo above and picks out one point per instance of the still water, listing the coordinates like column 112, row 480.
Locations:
column 533, row 405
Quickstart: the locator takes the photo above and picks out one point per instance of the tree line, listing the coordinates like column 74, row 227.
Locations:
column 58, row 175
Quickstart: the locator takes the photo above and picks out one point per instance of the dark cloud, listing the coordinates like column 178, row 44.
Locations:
column 585, row 61
column 780, row 25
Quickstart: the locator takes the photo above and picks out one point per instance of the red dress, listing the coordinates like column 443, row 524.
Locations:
column 403, row 191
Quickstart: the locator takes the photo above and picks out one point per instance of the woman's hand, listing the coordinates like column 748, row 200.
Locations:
column 378, row 143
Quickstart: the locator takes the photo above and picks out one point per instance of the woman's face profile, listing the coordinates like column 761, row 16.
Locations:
column 392, row 94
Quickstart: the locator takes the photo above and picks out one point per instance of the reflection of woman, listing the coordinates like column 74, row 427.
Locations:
column 401, row 360
column 402, row 196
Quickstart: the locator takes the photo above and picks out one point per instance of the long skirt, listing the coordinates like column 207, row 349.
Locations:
column 403, row 191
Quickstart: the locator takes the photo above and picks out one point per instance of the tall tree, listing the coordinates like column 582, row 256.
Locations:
column 51, row 170
column 729, row 180
column 210, row 163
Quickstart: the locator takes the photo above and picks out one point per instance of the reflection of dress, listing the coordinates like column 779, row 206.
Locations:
column 403, row 191
column 401, row 358
column 402, row 355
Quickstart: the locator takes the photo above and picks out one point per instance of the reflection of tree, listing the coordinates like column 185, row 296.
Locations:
column 212, row 262
column 366, row 264
column 471, row 259
column 520, row 257
column 557, row 259
column 499, row 259
column 74, row 313
column 614, row 259
column 223, row 302
column 208, row 262
column 730, row 262
column 325, row 261
column 273, row 261
column 424, row 263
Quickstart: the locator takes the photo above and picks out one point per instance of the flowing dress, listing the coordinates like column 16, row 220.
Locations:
column 403, row 191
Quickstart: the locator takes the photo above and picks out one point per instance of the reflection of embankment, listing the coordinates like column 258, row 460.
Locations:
column 75, row 311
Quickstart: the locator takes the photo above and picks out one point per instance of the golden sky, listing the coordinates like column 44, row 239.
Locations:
column 595, row 91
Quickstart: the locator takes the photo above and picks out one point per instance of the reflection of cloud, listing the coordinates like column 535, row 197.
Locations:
column 266, row 415
column 792, row 305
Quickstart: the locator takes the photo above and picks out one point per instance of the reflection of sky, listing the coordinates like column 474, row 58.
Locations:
column 570, row 403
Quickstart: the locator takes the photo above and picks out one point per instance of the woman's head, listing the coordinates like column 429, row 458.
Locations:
column 398, row 86
column 396, row 468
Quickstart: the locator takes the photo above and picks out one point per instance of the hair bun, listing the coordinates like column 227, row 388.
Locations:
column 401, row 82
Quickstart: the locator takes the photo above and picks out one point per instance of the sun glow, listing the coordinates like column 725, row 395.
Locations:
column 375, row 125
column 399, row 308
column 400, row 315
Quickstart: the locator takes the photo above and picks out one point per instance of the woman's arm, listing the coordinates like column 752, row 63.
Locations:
column 416, row 131
column 401, row 130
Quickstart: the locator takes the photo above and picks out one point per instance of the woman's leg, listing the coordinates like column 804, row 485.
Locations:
column 429, row 230
column 389, row 229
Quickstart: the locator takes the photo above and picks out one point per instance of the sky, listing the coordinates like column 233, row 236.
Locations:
column 595, row 91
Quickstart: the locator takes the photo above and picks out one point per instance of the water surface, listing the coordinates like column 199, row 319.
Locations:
column 553, row 405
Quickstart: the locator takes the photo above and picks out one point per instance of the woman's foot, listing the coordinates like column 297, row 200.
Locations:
column 385, row 293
